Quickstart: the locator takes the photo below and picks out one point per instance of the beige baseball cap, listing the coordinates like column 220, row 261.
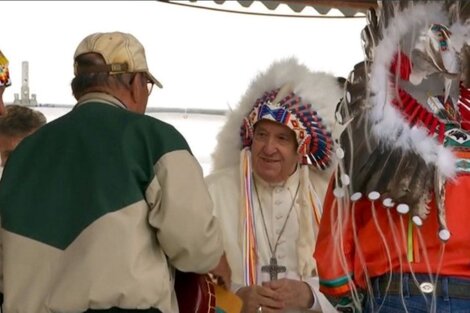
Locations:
column 122, row 52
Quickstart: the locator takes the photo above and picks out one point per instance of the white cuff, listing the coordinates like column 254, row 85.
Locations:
column 314, row 288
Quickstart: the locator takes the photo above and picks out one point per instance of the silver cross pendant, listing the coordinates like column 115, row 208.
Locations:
column 273, row 269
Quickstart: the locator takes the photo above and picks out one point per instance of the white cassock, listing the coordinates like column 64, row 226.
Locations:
column 276, row 201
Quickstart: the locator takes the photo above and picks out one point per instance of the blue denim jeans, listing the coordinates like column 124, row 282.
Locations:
column 441, row 302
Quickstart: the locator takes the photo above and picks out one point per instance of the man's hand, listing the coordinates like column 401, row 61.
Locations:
column 255, row 296
column 294, row 294
column 223, row 273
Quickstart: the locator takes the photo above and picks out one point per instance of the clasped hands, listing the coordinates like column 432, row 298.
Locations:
column 276, row 296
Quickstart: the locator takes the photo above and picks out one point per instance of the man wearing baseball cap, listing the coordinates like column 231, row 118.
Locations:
column 101, row 205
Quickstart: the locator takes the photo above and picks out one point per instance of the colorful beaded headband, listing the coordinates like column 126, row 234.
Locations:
column 314, row 141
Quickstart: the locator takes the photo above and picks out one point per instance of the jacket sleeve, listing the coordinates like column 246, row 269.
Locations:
column 181, row 211
column 334, row 250
column 320, row 303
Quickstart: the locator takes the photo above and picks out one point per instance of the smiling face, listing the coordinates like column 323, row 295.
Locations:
column 274, row 151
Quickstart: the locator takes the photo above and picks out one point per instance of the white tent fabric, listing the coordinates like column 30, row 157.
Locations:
column 323, row 7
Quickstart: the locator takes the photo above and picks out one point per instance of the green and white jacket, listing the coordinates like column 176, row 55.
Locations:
column 97, row 207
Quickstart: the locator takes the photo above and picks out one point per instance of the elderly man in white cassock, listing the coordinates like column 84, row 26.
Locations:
column 270, row 172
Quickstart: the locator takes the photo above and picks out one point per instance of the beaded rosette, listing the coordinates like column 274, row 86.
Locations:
column 4, row 72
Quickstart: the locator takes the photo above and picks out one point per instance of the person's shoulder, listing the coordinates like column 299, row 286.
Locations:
column 225, row 175
column 160, row 137
column 150, row 127
column 155, row 124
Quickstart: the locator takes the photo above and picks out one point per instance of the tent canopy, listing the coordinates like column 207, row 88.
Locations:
column 348, row 8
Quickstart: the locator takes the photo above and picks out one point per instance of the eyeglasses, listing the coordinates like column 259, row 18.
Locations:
column 149, row 86
column 148, row 81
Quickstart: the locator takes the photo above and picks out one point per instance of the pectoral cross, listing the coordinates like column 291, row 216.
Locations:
column 273, row 269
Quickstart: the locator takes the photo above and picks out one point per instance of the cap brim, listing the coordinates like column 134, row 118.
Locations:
column 154, row 80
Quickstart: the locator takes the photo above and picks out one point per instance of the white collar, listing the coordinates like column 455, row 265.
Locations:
column 100, row 97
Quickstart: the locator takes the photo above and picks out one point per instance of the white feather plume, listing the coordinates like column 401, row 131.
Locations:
column 389, row 125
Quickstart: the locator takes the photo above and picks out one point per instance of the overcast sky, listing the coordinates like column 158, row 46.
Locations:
column 205, row 59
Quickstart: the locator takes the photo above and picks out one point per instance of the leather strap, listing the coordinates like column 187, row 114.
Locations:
column 103, row 68
column 444, row 287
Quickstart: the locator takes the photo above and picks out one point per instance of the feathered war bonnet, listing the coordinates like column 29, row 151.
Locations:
column 290, row 94
column 283, row 106
column 406, row 107
column 4, row 71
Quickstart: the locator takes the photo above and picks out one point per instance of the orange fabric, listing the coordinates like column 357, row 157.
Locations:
column 456, row 260
column 227, row 301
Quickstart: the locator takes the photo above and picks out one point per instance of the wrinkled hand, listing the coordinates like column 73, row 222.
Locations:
column 223, row 273
column 255, row 296
column 294, row 294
